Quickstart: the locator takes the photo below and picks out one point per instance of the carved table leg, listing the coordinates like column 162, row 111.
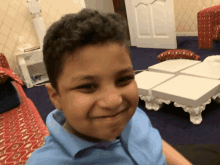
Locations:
column 216, row 98
column 195, row 112
column 153, row 102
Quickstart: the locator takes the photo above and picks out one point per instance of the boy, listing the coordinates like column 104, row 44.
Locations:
column 96, row 120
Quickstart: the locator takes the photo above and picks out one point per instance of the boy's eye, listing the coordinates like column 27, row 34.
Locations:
column 124, row 79
column 87, row 86
column 92, row 87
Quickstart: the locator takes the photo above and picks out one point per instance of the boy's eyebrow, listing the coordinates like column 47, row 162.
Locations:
column 90, row 77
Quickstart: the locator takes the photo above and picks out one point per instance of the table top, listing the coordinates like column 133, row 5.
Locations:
column 204, row 69
column 173, row 66
column 187, row 90
column 147, row 80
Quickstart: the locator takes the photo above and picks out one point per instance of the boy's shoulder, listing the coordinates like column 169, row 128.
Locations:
column 52, row 153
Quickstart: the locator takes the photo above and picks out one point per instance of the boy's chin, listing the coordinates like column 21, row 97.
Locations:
column 94, row 139
column 86, row 137
column 109, row 140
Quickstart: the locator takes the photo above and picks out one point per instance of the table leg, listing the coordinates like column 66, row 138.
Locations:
column 195, row 112
column 216, row 98
column 153, row 102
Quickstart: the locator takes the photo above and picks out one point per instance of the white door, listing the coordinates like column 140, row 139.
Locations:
column 151, row 23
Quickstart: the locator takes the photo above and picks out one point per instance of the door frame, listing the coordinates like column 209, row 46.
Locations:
column 82, row 3
column 116, row 4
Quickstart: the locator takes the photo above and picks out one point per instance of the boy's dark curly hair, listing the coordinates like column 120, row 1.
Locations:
column 74, row 31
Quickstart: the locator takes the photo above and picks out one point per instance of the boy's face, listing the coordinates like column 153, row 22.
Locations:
column 87, row 102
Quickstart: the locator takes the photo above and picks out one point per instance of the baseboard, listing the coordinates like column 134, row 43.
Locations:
column 178, row 34
column 194, row 34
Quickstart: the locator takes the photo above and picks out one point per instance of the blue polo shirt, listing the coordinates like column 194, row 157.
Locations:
column 138, row 144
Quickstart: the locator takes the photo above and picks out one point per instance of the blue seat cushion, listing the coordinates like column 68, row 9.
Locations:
column 9, row 97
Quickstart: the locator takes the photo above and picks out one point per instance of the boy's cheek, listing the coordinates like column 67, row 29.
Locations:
column 83, row 100
column 136, row 93
column 133, row 88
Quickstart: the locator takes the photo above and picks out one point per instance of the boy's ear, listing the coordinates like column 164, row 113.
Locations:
column 54, row 97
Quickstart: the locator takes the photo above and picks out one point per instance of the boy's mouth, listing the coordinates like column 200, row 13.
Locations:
column 111, row 116
column 121, row 110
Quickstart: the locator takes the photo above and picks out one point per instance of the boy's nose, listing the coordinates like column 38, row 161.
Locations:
column 112, row 101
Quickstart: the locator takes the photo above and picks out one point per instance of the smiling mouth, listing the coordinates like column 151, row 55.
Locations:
column 113, row 115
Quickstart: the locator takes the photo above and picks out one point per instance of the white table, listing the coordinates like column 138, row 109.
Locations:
column 25, row 59
column 167, row 84
column 190, row 93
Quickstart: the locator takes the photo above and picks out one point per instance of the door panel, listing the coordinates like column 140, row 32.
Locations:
column 151, row 23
